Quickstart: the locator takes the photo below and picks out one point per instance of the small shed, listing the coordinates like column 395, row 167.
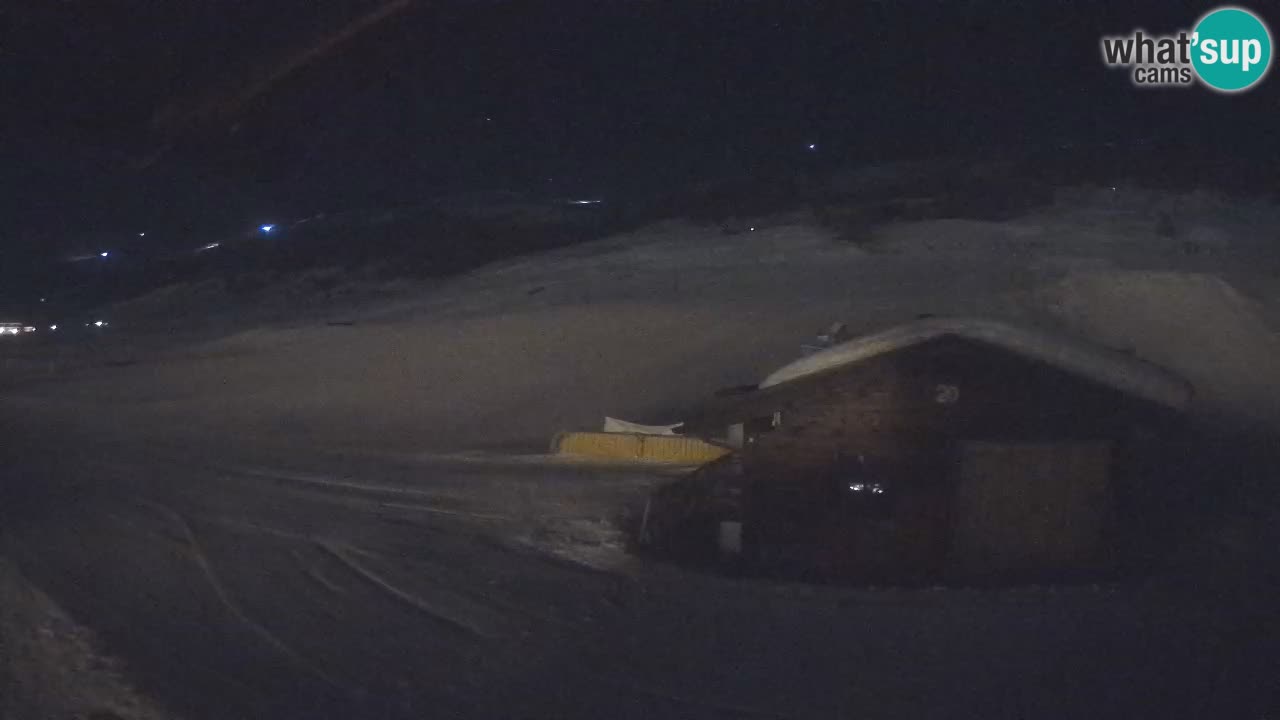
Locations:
column 946, row 447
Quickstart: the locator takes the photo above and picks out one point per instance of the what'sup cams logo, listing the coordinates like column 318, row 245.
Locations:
column 1229, row 51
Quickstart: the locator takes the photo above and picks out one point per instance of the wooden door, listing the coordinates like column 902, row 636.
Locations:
column 1029, row 508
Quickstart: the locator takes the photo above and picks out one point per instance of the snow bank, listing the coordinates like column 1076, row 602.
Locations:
column 1197, row 325
column 52, row 667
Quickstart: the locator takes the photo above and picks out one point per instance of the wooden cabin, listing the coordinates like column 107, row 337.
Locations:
column 955, row 448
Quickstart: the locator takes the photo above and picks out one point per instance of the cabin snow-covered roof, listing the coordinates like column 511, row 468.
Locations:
column 1112, row 368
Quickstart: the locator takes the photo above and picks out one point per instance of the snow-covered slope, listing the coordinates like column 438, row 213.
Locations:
column 643, row 324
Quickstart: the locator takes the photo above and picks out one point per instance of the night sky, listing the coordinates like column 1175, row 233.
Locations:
column 559, row 97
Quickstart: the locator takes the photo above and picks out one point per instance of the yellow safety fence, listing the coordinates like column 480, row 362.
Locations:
column 633, row 447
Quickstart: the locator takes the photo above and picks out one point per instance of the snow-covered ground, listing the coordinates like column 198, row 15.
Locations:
column 641, row 326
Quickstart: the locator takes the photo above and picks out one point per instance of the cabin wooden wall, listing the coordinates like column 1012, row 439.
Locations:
column 910, row 407
column 1021, row 508
column 911, row 414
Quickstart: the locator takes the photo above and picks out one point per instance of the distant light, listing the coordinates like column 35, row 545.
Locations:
column 813, row 146
column 103, row 254
column 585, row 202
column 98, row 323
column 267, row 228
column 53, row 327
column 210, row 246
column 142, row 234
column 43, row 299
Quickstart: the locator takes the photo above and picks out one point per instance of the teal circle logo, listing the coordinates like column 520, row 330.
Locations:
column 1231, row 49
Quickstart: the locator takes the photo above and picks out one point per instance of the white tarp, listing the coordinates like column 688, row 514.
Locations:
column 614, row 425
